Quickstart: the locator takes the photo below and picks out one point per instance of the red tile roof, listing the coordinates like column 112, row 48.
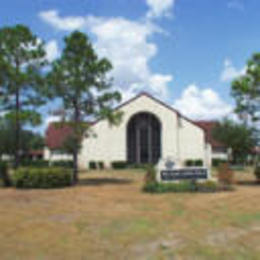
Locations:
column 56, row 134
column 208, row 127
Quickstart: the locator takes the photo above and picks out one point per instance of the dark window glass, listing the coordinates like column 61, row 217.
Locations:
column 143, row 139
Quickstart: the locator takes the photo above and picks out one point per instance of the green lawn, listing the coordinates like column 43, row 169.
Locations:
column 107, row 216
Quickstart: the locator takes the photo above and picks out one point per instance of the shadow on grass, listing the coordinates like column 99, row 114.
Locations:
column 103, row 181
column 248, row 183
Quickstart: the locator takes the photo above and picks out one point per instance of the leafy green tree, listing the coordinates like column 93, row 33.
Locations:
column 236, row 136
column 35, row 140
column 22, row 57
column 79, row 78
column 29, row 140
column 7, row 144
column 246, row 91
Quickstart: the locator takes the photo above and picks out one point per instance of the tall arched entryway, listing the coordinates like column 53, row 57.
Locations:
column 143, row 138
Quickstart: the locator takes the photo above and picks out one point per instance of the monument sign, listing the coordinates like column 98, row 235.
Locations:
column 168, row 171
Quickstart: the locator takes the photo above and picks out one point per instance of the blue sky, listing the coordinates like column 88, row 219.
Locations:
column 185, row 52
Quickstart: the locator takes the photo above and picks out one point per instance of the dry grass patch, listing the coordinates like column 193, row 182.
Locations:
column 107, row 216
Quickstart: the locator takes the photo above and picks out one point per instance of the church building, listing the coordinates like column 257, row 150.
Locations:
column 149, row 130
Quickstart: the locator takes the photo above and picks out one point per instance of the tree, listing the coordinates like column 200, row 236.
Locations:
column 236, row 136
column 7, row 144
column 35, row 140
column 21, row 60
column 246, row 91
column 29, row 140
column 79, row 78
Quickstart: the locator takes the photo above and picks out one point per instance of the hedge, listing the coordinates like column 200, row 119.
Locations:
column 3, row 169
column 62, row 163
column 44, row 178
column 4, row 177
column 46, row 163
column 119, row 165
column 217, row 162
column 190, row 162
column 183, row 186
column 198, row 163
column 142, row 166
column 257, row 172
column 92, row 165
column 34, row 163
column 101, row 165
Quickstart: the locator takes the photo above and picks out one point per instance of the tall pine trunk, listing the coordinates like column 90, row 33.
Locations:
column 17, row 129
column 75, row 167
column 75, row 152
column 17, row 117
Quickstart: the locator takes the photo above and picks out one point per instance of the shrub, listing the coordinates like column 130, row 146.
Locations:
column 44, row 178
column 189, row 163
column 4, row 174
column 208, row 186
column 198, row 162
column 237, row 167
column 183, row 186
column 119, row 165
column 217, row 162
column 101, row 165
column 155, row 187
column 150, row 176
column 92, row 165
column 34, row 163
column 257, row 172
column 62, row 163
column 138, row 166
column 225, row 174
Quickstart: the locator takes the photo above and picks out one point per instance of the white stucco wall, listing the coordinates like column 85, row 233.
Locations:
column 50, row 156
column 179, row 141
column 219, row 155
column 192, row 143
column 208, row 155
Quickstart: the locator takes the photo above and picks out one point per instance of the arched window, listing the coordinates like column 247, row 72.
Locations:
column 143, row 139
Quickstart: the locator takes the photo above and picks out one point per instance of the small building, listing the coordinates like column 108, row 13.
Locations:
column 33, row 155
column 150, row 130
column 55, row 136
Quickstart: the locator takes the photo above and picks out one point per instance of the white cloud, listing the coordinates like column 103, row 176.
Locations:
column 159, row 83
column 52, row 50
column 126, row 44
column 159, row 8
column 230, row 72
column 236, row 4
column 201, row 104
column 68, row 23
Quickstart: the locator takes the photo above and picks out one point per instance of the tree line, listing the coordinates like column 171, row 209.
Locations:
column 243, row 137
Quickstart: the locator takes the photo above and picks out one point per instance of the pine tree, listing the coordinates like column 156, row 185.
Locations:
column 79, row 78
column 21, row 60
